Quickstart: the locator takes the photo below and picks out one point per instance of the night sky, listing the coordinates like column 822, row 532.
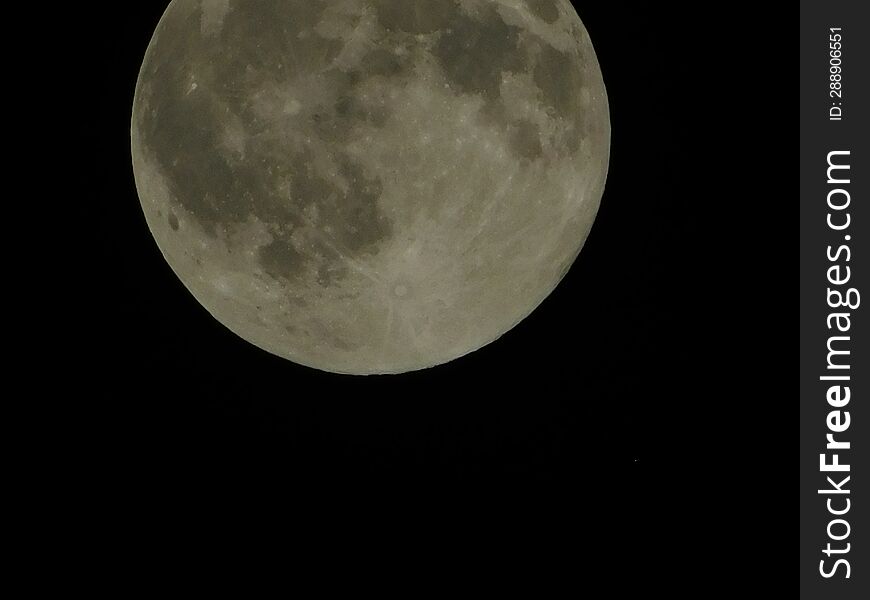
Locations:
column 626, row 392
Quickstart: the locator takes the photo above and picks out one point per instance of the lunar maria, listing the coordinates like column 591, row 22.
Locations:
column 370, row 186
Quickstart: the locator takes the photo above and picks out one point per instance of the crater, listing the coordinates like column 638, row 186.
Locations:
column 173, row 221
column 546, row 10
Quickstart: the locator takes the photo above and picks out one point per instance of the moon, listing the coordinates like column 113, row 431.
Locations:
column 370, row 186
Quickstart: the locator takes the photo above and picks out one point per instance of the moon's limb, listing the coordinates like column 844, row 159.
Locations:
column 370, row 186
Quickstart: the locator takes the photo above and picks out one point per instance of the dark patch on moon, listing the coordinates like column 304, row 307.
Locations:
column 382, row 62
column 525, row 140
column 255, row 42
column 195, row 81
column 280, row 259
column 173, row 221
column 557, row 74
column 476, row 50
column 359, row 226
column 345, row 217
column 350, row 210
column 266, row 35
column 335, row 121
column 546, row 10
column 474, row 53
column 306, row 187
column 329, row 274
column 350, row 110
column 415, row 16
column 179, row 130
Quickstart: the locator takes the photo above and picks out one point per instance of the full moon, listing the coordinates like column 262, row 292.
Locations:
column 370, row 186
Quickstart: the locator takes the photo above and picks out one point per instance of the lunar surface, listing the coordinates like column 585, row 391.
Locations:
column 370, row 186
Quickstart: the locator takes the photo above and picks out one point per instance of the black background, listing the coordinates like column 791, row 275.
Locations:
column 629, row 395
